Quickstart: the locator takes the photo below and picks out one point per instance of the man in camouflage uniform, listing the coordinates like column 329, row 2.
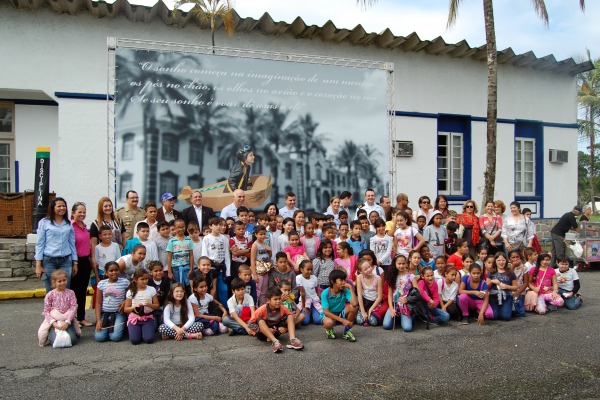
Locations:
column 131, row 214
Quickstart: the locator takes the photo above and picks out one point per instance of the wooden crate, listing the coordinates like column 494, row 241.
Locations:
column 16, row 212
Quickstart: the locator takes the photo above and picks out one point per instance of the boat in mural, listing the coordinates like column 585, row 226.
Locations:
column 213, row 196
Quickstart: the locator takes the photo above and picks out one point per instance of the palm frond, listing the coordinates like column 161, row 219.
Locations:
column 540, row 8
column 452, row 12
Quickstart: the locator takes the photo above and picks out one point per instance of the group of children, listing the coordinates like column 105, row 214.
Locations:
column 268, row 279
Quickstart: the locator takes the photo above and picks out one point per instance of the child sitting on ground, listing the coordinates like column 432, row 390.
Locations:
column 179, row 317
column 272, row 320
column 241, row 308
column 201, row 301
column 310, row 301
column 369, row 288
column 568, row 284
column 339, row 305
column 60, row 307
column 288, row 300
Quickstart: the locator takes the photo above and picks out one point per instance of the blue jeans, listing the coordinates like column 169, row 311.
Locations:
column 141, row 331
column 571, row 303
column 51, row 264
column 440, row 315
column 181, row 275
column 232, row 323
column 519, row 307
column 117, row 333
column 372, row 320
column 70, row 331
column 316, row 316
column 405, row 322
column 502, row 311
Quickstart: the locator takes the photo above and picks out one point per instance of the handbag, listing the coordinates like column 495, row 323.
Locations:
column 62, row 340
column 263, row 267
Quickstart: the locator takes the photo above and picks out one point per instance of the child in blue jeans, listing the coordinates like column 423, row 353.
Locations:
column 339, row 305
column 241, row 309
column 568, row 284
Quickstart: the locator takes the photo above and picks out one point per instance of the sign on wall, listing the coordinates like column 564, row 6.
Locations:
column 314, row 129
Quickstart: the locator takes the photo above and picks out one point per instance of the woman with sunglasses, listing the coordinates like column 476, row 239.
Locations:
column 516, row 232
column 470, row 223
column 80, row 282
column 425, row 209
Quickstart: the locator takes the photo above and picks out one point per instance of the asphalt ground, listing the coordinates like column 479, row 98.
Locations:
column 555, row 356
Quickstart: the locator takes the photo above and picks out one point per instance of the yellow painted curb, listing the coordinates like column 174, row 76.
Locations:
column 27, row 294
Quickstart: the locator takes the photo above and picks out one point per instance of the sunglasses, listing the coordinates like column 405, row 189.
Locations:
column 425, row 202
column 469, row 206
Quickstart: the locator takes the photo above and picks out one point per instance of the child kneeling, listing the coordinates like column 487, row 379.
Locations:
column 274, row 319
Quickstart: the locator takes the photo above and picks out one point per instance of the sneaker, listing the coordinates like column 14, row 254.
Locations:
column 232, row 332
column 295, row 344
column 277, row 347
column 349, row 336
column 552, row 307
column 208, row 332
column 330, row 333
column 466, row 321
column 223, row 328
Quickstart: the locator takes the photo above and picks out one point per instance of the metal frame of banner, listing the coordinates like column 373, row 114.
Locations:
column 113, row 43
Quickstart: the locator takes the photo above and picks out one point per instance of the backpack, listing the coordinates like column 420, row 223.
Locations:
column 418, row 306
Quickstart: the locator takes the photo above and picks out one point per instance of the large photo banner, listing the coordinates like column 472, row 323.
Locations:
column 315, row 130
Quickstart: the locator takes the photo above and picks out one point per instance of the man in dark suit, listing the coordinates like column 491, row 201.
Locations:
column 197, row 212
column 167, row 212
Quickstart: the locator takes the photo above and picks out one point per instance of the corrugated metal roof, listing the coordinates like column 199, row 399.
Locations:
column 299, row 29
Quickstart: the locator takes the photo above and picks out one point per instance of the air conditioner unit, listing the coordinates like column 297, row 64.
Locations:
column 402, row 148
column 559, row 156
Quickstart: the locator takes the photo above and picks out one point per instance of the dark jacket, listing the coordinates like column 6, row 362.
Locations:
column 239, row 174
column 189, row 215
column 160, row 214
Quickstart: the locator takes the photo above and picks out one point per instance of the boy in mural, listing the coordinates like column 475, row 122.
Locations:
column 239, row 174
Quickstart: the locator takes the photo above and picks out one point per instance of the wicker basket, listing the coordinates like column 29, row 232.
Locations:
column 16, row 212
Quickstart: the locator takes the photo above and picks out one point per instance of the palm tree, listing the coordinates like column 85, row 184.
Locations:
column 589, row 101
column 303, row 137
column 212, row 10
column 492, row 86
column 211, row 121
column 349, row 155
column 128, row 71
column 275, row 134
column 369, row 164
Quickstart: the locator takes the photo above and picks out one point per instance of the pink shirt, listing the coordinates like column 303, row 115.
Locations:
column 543, row 280
column 429, row 292
column 82, row 240
column 64, row 302
column 295, row 251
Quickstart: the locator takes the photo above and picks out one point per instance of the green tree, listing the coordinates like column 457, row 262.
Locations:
column 588, row 88
column 492, row 80
column 276, row 135
column 212, row 10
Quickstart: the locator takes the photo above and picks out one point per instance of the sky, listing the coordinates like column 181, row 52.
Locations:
column 569, row 33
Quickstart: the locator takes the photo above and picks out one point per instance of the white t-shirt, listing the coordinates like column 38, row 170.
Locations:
column 106, row 254
column 202, row 303
column 142, row 296
column 565, row 279
column 405, row 239
column 382, row 247
column 197, row 252
column 309, row 286
column 129, row 267
column 234, row 307
column 151, row 250
column 447, row 292
column 161, row 244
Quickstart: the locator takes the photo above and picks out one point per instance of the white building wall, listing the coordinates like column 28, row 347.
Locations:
column 68, row 53
column 560, row 183
column 36, row 126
